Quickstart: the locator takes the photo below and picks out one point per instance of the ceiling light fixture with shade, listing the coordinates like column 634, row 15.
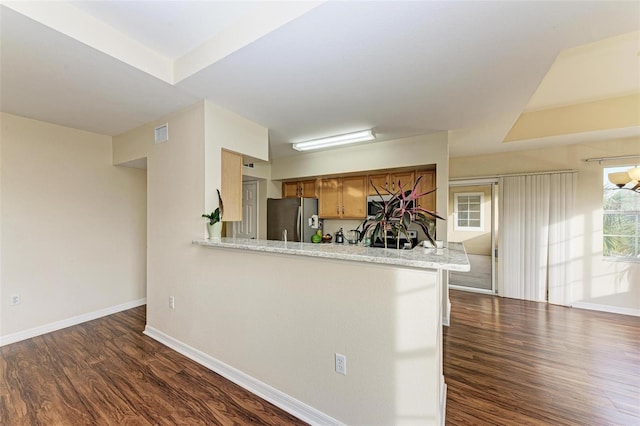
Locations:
column 620, row 179
column 331, row 141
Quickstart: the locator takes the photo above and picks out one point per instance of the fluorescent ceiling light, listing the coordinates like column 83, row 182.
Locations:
column 362, row 136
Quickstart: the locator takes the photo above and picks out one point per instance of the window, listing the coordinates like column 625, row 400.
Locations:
column 621, row 220
column 467, row 209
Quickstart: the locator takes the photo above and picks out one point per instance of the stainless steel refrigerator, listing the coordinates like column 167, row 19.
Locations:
column 299, row 216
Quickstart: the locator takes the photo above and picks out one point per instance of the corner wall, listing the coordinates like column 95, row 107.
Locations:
column 74, row 228
column 596, row 283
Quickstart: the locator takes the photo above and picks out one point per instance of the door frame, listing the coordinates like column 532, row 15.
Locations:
column 493, row 182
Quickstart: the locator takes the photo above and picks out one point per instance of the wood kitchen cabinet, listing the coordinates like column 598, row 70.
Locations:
column 304, row 188
column 427, row 183
column 342, row 198
column 231, row 185
column 388, row 182
column 381, row 182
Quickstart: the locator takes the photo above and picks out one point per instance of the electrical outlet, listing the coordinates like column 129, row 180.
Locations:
column 341, row 364
column 15, row 300
column 172, row 302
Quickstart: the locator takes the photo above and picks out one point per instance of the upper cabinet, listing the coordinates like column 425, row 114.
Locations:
column 427, row 183
column 231, row 186
column 389, row 182
column 342, row 198
column 304, row 188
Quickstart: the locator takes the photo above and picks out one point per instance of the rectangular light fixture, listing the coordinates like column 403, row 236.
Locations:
column 362, row 136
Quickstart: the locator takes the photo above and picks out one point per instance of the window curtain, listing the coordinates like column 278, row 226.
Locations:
column 534, row 241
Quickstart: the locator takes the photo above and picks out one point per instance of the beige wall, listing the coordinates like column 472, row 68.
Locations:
column 74, row 226
column 266, row 316
column 596, row 282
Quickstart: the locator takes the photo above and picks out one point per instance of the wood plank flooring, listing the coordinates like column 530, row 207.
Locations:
column 506, row 362
column 513, row 362
column 106, row 372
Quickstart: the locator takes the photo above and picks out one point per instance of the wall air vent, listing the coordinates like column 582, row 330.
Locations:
column 162, row 133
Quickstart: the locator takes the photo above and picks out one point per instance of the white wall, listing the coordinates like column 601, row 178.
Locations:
column 596, row 282
column 73, row 226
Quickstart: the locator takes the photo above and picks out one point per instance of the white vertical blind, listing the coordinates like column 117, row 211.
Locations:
column 535, row 214
column 562, row 199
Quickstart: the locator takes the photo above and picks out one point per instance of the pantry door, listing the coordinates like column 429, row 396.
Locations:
column 248, row 228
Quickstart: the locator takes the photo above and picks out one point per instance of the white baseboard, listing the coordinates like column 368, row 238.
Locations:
column 291, row 405
column 443, row 401
column 58, row 325
column 606, row 308
column 446, row 315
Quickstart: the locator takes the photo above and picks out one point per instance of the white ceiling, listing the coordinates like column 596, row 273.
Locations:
column 402, row 68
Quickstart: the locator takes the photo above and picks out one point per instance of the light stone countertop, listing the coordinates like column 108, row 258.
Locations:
column 453, row 257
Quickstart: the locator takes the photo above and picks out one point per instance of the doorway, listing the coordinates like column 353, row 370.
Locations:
column 472, row 220
column 248, row 227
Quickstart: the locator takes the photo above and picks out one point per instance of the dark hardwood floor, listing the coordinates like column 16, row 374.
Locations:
column 513, row 362
column 106, row 372
column 506, row 362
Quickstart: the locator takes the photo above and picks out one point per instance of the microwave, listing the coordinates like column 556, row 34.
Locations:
column 372, row 209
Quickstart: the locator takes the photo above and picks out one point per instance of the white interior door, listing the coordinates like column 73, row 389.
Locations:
column 248, row 227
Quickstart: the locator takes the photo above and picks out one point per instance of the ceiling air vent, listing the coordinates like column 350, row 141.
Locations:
column 162, row 133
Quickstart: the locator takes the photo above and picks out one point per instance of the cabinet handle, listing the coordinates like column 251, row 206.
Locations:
column 342, row 210
column 338, row 209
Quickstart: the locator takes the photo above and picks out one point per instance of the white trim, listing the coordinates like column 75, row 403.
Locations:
column 443, row 401
column 289, row 404
column 606, row 308
column 58, row 325
column 466, row 182
column 447, row 315
column 472, row 289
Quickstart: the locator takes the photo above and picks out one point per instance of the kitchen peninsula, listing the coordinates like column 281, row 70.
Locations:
column 380, row 308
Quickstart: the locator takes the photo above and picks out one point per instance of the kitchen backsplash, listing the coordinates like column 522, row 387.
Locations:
column 331, row 226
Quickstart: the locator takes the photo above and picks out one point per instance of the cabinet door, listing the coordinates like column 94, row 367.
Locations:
column 329, row 199
column 405, row 179
column 308, row 189
column 381, row 182
column 290, row 189
column 354, row 198
column 427, row 183
column 231, row 186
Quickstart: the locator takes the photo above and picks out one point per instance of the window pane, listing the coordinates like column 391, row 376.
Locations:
column 621, row 218
column 620, row 246
column 619, row 224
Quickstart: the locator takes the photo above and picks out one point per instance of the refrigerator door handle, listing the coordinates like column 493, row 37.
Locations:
column 299, row 224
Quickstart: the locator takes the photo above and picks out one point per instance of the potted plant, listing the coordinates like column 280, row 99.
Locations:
column 214, row 226
column 397, row 213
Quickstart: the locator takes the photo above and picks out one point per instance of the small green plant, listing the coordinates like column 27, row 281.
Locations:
column 216, row 215
column 397, row 213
